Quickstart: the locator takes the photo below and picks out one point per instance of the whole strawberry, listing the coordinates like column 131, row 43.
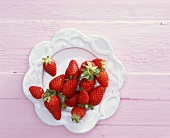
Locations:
column 87, row 85
column 83, row 97
column 49, row 66
column 102, row 78
column 100, row 63
column 57, row 83
column 72, row 71
column 96, row 95
column 84, row 64
column 78, row 113
column 69, row 88
column 52, row 103
column 89, row 70
column 72, row 101
column 36, row 91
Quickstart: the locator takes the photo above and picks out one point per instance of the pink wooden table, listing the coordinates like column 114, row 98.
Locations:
column 139, row 32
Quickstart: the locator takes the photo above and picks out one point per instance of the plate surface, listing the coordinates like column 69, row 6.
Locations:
column 70, row 44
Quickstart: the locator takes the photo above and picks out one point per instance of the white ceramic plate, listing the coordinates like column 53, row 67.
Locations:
column 70, row 44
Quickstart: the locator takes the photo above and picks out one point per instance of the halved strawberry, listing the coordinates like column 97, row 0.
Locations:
column 100, row 63
column 36, row 91
column 57, row 83
column 72, row 71
column 69, row 88
column 78, row 113
column 96, row 95
column 102, row 78
column 49, row 66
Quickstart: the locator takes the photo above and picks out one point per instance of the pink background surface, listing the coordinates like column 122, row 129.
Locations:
column 139, row 32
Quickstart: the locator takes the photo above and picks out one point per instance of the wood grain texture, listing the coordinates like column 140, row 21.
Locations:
column 144, row 49
column 100, row 131
column 136, row 87
column 139, row 33
column 84, row 10
column 141, row 117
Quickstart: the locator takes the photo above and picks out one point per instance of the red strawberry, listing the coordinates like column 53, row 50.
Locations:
column 89, row 70
column 69, row 88
column 96, row 95
column 100, row 63
column 83, row 97
column 36, row 92
column 57, row 83
column 49, row 66
column 78, row 113
column 87, row 85
column 72, row 71
column 85, row 64
column 72, row 101
column 53, row 104
column 102, row 78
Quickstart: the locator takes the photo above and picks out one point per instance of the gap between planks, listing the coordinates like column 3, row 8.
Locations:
column 87, row 21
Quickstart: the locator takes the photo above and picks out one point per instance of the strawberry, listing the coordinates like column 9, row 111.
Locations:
column 102, row 78
column 72, row 70
column 57, row 83
column 52, row 103
column 83, row 97
column 96, row 95
column 69, row 88
column 36, row 91
column 87, row 85
column 100, row 63
column 49, row 66
column 78, row 113
column 72, row 101
column 85, row 64
column 89, row 70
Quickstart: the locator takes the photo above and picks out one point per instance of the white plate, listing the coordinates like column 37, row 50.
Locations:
column 70, row 44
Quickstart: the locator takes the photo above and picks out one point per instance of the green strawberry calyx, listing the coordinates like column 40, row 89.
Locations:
column 89, row 71
column 76, row 118
column 47, row 60
column 103, row 64
column 90, row 107
column 63, row 106
column 48, row 93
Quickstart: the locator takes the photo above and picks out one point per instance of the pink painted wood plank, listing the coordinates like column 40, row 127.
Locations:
column 99, row 131
column 136, row 87
column 134, row 118
column 141, row 47
column 85, row 10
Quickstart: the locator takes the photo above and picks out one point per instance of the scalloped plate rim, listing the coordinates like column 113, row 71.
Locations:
column 38, row 44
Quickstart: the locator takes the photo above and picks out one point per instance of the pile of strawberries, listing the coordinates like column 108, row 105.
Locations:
column 76, row 88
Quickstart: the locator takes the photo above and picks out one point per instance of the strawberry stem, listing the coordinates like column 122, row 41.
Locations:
column 62, row 96
column 63, row 106
column 48, row 93
column 76, row 118
column 47, row 60
column 89, row 71
column 103, row 65
column 90, row 107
